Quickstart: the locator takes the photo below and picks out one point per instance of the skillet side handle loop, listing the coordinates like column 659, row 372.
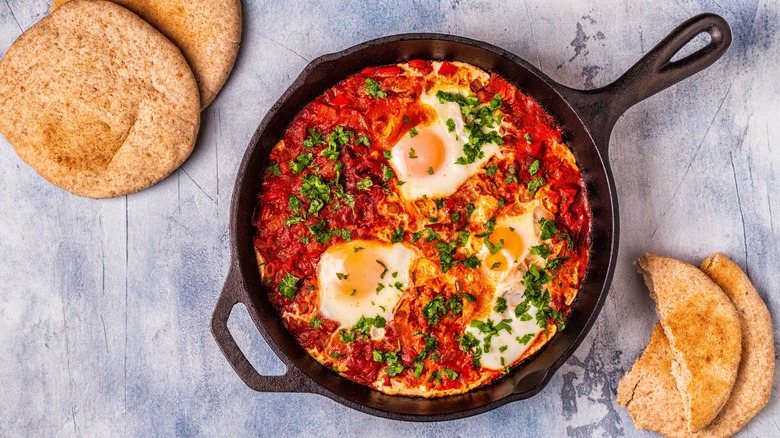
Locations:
column 232, row 292
column 601, row 108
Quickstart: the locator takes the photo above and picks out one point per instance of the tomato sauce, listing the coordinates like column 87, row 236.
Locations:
column 292, row 246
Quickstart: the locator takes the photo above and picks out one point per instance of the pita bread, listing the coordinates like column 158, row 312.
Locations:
column 208, row 33
column 97, row 101
column 649, row 391
column 756, row 371
column 704, row 335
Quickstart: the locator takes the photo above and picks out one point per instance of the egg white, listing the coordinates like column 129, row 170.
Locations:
column 494, row 358
column 339, row 306
column 509, row 285
column 446, row 180
column 527, row 227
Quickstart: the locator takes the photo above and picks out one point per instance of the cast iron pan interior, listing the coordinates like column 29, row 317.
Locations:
column 586, row 117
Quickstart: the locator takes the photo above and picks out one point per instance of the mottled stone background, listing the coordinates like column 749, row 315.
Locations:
column 105, row 305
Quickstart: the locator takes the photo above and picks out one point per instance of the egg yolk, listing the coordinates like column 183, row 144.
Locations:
column 424, row 153
column 513, row 247
column 363, row 272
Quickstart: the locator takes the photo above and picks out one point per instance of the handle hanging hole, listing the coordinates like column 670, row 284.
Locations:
column 700, row 41
column 252, row 344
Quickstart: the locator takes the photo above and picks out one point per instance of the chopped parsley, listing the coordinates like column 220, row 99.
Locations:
column 363, row 139
column 490, row 330
column 273, row 166
column 372, row 89
column 385, row 271
column 553, row 264
column 528, row 138
column 320, row 232
column 480, row 123
column 450, row 125
column 471, row 262
column 500, row 306
column 548, row 229
column 397, row 236
column 567, row 237
column 394, row 364
column 455, row 304
column 387, row 154
column 387, row 173
column 446, row 252
column 289, row 286
column 455, row 216
column 439, row 202
column 346, row 337
column 467, row 341
column 521, row 309
column 493, row 247
column 315, row 322
column 541, row 250
column 292, row 220
column 413, row 133
column 342, row 276
column 418, row 370
column 534, row 167
column 315, row 138
column 431, row 235
column 301, row 162
column 412, row 154
column 535, row 184
column 470, row 210
column 365, row 184
column 364, row 324
column 495, row 266
column 434, row 310
column 450, row 374
column 294, row 203
column 511, row 176
column 491, row 170
column 524, row 340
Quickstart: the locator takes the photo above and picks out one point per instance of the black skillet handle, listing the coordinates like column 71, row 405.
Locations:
column 233, row 293
column 599, row 109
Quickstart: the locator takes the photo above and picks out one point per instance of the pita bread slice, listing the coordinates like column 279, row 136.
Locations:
column 97, row 101
column 704, row 334
column 650, row 393
column 208, row 33
column 756, row 371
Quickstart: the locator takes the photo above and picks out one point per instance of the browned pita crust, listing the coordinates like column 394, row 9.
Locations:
column 208, row 33
column 650, row 393
column 704, row 334
column 97, row 101
column 756, row 371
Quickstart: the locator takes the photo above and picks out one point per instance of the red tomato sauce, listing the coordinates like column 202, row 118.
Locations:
column 291, row 245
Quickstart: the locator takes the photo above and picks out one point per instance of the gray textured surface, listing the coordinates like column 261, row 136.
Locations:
column 104, row 305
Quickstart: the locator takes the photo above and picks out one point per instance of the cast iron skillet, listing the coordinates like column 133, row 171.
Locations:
column 586, row 117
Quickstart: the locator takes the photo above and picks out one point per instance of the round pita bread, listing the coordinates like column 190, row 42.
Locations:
column 704, row 334
column 208, row 33
column 97, row 101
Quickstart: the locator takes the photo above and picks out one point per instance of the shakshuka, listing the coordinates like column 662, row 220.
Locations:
column 422, row 228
